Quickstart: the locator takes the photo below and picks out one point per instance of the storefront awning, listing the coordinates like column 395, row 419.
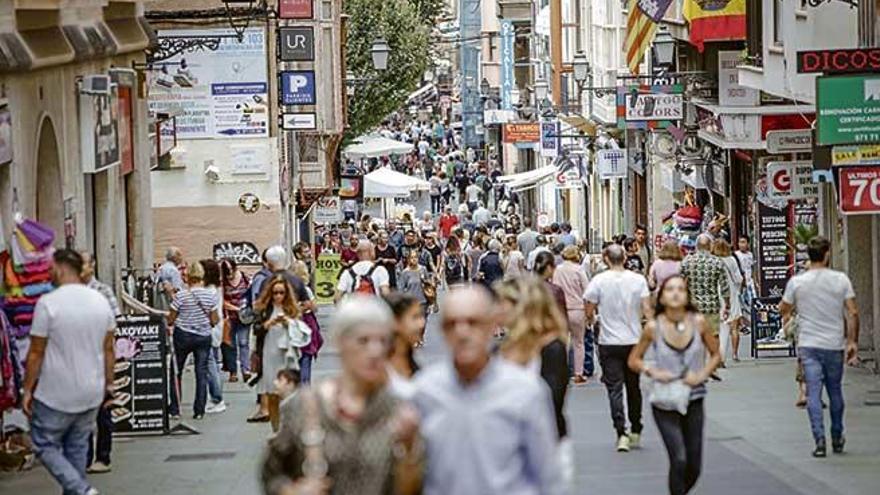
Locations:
column 527, row 180
column 744, row 128
column 425, row 92
column 580, row 123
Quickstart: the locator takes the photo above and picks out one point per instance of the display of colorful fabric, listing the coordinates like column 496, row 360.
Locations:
column 26, row 273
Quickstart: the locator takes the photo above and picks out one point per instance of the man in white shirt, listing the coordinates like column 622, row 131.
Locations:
column 540, row 246
column 826, row 306
column 69, row 372
column 352, row 280
column 527, row 240
column 473, row 193
column 482, row 214
column 622, row 297
column 746, row 259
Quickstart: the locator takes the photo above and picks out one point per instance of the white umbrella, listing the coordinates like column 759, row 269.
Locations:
column 386, row 183
column 375, row 146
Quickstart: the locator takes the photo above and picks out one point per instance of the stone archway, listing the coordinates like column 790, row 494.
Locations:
column 50, row 203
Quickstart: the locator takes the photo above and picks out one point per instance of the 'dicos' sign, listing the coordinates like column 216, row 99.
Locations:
column 838, row 61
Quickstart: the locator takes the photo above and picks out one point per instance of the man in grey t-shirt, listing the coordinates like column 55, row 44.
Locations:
column 528, row 239
column 826, row 306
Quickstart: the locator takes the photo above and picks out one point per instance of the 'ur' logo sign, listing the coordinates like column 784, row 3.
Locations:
column 296, row 44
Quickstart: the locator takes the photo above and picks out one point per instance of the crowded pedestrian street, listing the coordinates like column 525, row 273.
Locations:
column 439, row 247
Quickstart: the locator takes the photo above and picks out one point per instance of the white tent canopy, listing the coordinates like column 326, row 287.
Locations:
column 374, row 146
column 386, row 183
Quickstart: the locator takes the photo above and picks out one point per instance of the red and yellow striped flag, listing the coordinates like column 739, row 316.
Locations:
column 640, row 30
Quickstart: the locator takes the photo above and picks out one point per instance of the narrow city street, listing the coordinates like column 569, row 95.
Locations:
column 756, row 443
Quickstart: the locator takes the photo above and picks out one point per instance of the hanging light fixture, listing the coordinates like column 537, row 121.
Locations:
column 663, row 48
column 484, row 87
column 541, row 90
column 581, row 67
column 380, row 52
column 235, row 23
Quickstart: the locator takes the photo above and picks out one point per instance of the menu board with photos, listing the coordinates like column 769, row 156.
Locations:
column 140, row 381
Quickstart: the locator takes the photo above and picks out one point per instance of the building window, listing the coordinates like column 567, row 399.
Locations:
column 778, row 9
column 755, row 31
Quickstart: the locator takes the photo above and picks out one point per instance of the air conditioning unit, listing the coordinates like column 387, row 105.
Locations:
column 98, row 84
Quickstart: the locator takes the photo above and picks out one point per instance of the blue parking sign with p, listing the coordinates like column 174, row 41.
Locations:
column 298, row 87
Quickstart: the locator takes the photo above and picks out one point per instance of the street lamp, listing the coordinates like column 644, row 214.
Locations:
column 663, row 48
column 581, row 67
column 484, row 87
column 540, row 90
column 380, row 52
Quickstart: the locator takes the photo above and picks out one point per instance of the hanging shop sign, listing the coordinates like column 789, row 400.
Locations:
column 838, row 61
column 794, row 141
column 773, row 252
column 296, row 44
column 868, row 154
column 550, row 138
column 791, row 180
column 569, row 172
column 848, row 109
column 299, row 121
column 491, row 117
column 611, row 164
column 327, row 269
column 351, row 186
column 5, row 135
column 99, row 131
column 298, row 87
column 527, row 132
column 140, row 377
column 243, row 253
column 126, row 130
column 508, row 80
column 730, row 92
column 859, row 190
column 249, row 203
column 649, row 107
column 295, row 9
column 327, row 210
column 218, row 94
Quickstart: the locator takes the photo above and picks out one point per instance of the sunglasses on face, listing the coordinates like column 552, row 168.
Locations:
column 281, row 292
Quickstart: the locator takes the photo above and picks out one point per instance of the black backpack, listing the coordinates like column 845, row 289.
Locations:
column 454, row 268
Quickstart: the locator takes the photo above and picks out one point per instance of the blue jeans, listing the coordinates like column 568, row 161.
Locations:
column 61, row 441
column 215, row 385
column 823, row 367
column 305, row 369
column 186, row 343
column 241, row 339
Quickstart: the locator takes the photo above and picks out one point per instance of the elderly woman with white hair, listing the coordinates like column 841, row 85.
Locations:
column 349, row 434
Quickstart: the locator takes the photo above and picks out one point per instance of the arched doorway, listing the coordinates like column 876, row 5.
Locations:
column 50, row 203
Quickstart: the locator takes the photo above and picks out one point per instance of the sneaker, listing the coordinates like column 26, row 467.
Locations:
column 623, row 443
column 820, row 450
column 635, row 440
column 92, row 491
column 174, row 417
column 198, row 416
column 837, row 445
column 215, row 407
column 98, row 468
column 579, row 380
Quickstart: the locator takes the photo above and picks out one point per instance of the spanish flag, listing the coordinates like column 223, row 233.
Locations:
column 640, row 30
column 715, row 20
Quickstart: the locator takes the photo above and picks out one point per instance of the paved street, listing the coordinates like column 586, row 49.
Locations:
column 757, row 443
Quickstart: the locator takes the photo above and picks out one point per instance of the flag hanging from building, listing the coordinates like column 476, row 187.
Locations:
column 641, row 25
column 715, row 20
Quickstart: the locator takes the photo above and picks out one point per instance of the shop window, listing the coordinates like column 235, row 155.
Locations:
column 778, row 31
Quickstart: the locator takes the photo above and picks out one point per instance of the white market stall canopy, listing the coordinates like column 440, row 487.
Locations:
column 527, row 180
column 375, row 146
column 386, row 183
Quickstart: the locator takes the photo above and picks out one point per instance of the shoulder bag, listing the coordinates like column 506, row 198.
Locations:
column 674, row 395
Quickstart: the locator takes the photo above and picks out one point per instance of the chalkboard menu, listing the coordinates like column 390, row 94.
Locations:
column 774, row 265
column 140, row 382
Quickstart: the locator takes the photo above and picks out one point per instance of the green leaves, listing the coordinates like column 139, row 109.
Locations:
column 379, row 93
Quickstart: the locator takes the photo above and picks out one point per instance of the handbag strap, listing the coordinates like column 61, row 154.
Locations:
column 207, row 313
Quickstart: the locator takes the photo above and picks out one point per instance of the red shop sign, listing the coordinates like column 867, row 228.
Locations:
column 838, row 61
column 859, row 189
column 295, row 9
column 787, row 122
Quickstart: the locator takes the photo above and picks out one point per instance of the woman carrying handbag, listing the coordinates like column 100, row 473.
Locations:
column 680, row 338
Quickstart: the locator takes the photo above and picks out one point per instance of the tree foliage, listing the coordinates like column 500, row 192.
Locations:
column 379, row 93
column 429, row 10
